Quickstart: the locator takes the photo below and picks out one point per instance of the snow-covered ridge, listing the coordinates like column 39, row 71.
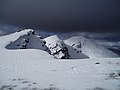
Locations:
column 57, row 47
column 89, row 48
column 23, row 39
column 5, row 40
column 35, row 69
column 77, row 47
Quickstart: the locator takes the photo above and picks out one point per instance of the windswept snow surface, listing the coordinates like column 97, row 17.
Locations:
column 89, row 48
column 37, row 70
column 32, row 69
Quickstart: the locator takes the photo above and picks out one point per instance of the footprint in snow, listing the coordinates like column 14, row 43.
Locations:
column 97, row 63
column 8, row 87
column 51, row 85
column 34, row 83
column 25, row 82
column 14, row 79
column 29, row 85
column 73, row 68
column 54, row 70
column 20, row 79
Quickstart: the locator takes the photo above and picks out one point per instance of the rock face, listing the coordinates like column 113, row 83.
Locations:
column 31, row 40
column 57, row 47
column 89, row 48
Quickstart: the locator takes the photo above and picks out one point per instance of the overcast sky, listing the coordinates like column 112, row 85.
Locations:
column 62, row 15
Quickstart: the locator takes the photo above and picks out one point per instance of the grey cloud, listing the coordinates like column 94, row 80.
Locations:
column 62, row 15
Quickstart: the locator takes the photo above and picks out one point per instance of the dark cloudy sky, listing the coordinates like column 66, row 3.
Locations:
column 62, row 15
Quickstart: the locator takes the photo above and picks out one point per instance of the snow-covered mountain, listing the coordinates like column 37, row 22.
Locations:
column 75, row 54
column 35, row 69
column 57, row 47
column 89, row 48
column 77, row 47
column 24, row 39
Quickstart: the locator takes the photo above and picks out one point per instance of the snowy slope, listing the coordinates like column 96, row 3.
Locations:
column 89, row 48
column 6, row 40
column 25, row 39
column 30, row 69
column 57, row 47
column 74, row 54
column 35, row 69
column 75, row 47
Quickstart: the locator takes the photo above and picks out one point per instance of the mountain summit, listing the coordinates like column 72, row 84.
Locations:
column 57, row 47
column 89, row 48
column 77, row 47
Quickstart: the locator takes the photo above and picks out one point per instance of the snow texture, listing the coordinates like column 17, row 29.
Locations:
column 77, row 47
column 89, row 48
column 35, row 69
column 29, row 40
column 57, row 47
